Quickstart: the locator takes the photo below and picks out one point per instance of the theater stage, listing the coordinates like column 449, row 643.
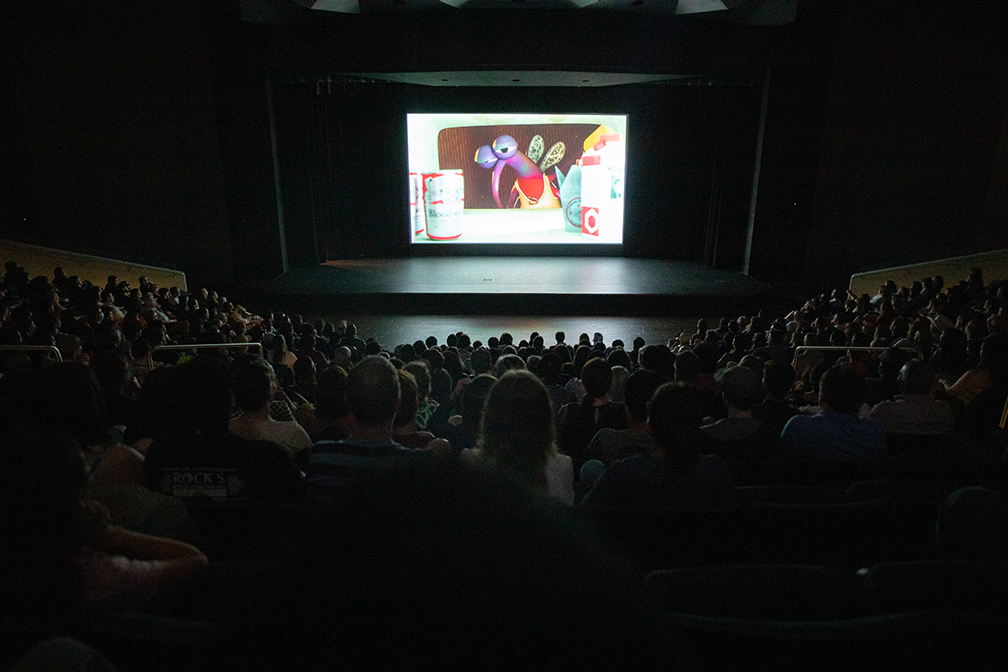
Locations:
column 518, row 286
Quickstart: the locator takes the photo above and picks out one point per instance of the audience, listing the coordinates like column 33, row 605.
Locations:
column 353, row 413
column 687, row 372
column 508, row 362
column 582, row 353
column 617, row 388
column 983, row 388
column 441, row 380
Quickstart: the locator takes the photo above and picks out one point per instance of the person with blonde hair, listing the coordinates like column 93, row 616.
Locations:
column 517, row 434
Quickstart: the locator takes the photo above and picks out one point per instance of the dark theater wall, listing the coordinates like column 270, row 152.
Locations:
column 917, row 98
column 111, row 143
column 798, row 89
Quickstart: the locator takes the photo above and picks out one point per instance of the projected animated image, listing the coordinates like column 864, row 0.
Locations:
column 516, row 178
column 532, row 189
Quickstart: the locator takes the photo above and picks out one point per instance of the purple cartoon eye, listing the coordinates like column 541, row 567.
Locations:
column 504, row 146
column 485, row 157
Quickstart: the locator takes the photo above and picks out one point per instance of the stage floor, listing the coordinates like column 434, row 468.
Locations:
column 518, row 286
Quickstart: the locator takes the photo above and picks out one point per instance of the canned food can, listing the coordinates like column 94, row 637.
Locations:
column 444, row 200
column 417, row 218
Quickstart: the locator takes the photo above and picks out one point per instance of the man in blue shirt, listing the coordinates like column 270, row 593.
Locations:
column 372, row 395
column 838, row 433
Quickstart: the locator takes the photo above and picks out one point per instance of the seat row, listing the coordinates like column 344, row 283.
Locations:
column 867, row 523
column 910, row 615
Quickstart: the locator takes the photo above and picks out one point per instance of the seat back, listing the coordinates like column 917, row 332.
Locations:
column 936, row 586
column 844, row 535
column 676, row 537
column 753, row 591
column 786, row 494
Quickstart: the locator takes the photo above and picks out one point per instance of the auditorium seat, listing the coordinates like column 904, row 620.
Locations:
column 785, row 617
column 830, row 473
column 235, row 530
column 756, row 591
column 970, row 599
column 937, row 586
column 951, row 446
column 136, row 641
column 786, row 494
column 902, row 641
column 844, row 535
column 676, row 538
column 961, row 473
column 908, row 531
column 895, row 489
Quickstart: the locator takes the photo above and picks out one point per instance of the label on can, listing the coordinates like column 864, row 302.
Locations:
column 417, row 218
column 444, row 200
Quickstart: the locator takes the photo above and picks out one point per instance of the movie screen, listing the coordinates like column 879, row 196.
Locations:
column 516, row 178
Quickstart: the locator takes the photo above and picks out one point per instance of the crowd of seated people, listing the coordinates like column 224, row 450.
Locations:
column 122, row 452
